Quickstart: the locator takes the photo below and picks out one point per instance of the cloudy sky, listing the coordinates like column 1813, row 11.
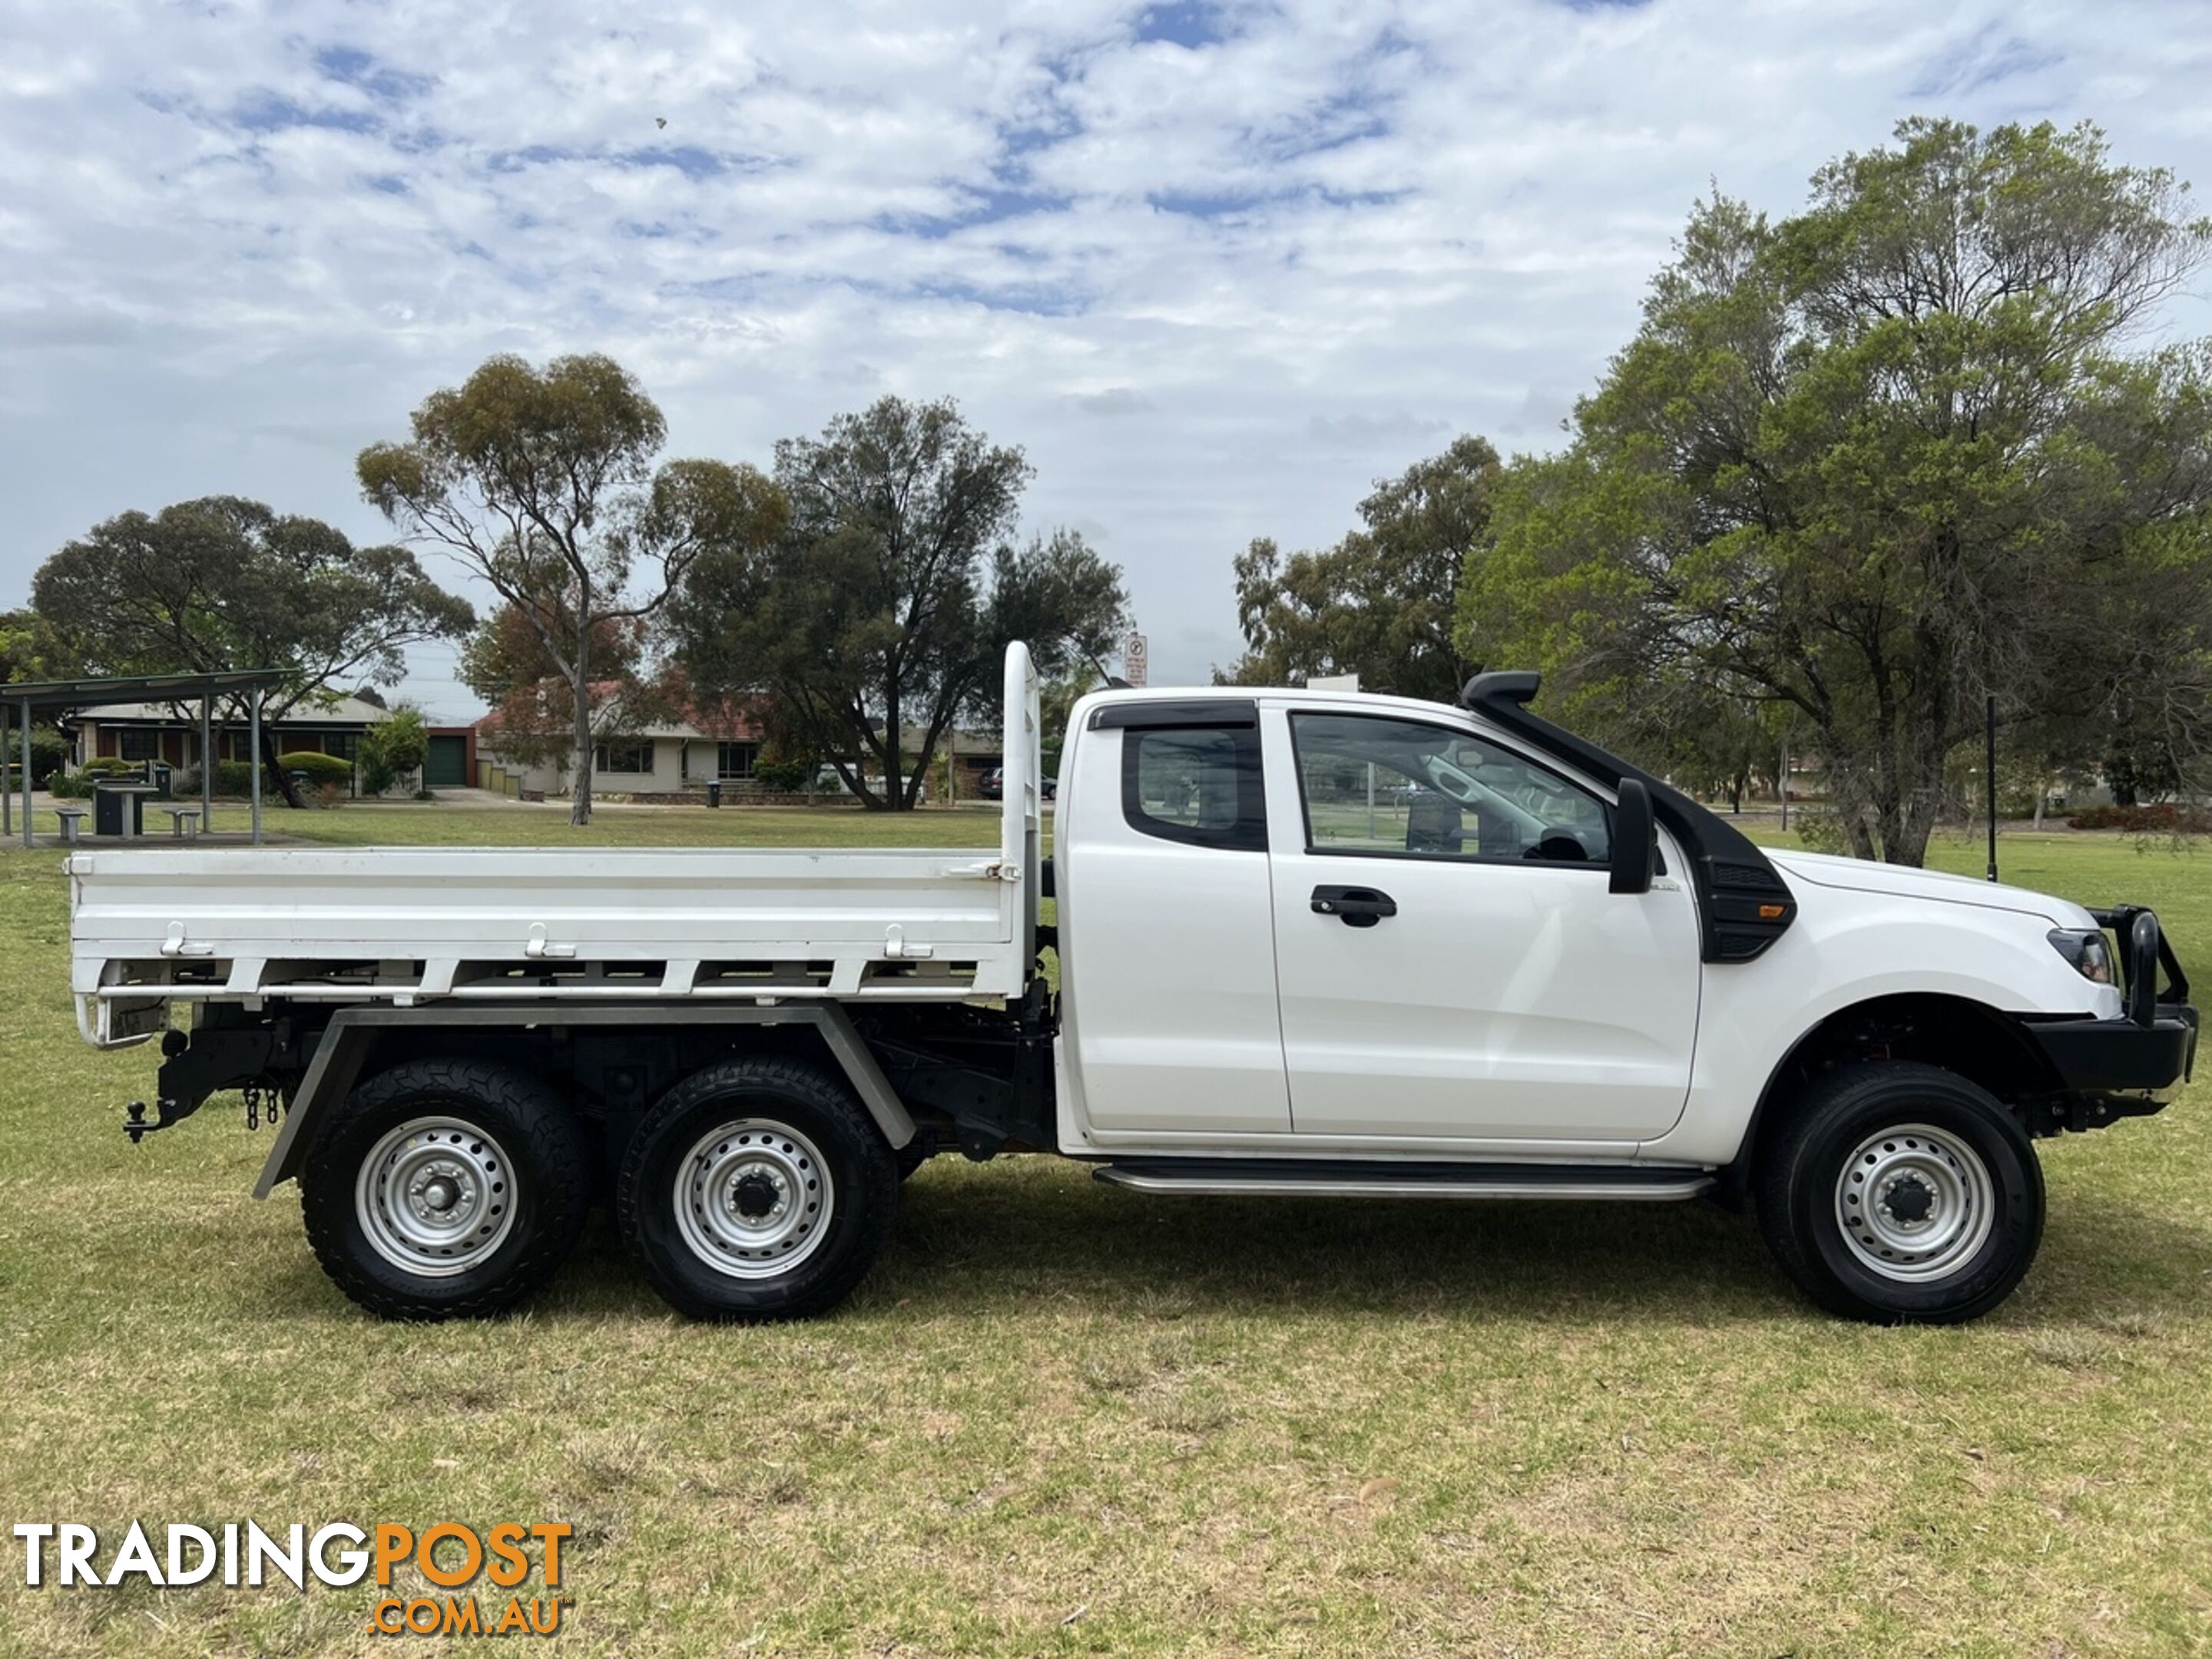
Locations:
column 1216, row 266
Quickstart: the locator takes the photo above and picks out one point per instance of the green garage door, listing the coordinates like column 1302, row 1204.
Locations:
column 446, row 767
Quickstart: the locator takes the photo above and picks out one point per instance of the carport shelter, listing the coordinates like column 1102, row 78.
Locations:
column 20, row 702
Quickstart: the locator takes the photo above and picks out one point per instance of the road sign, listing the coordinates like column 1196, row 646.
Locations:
column 1134, row 667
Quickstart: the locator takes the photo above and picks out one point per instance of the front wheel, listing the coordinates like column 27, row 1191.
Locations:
column 756, row 1189
column 1902, row 1193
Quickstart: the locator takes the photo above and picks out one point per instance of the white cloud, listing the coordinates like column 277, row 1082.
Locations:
column 1216, row 266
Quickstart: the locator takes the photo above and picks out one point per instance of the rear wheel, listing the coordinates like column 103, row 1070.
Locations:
column 445, row 1188
column 1902, row 1193
column 756, row 1189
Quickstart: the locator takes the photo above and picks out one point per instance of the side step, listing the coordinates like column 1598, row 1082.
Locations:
column 1290, row 1177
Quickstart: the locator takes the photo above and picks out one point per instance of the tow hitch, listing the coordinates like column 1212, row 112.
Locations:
column 263, row 1104
column 135, row 1124
column 217, row 1056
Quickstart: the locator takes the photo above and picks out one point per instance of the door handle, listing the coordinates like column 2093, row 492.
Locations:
column 1355, row 907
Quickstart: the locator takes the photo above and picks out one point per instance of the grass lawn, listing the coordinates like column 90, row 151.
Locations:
column 1061, row 1419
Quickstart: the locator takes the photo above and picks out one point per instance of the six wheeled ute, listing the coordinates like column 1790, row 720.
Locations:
column 1309, row 942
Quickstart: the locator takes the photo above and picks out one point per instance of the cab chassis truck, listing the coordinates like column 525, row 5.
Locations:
column 1310, row 943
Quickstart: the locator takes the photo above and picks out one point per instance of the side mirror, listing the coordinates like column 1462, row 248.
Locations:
column 1635, row 840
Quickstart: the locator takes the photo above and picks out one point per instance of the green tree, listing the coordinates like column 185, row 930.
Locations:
column 32, row 648
column 224, row 583
column 1715, row 744
column 506, row 662
column 1883, row 459
column 542, row 483
column 392, row 748
column 881, row 615
column 1380, row 603
column 1056, row 700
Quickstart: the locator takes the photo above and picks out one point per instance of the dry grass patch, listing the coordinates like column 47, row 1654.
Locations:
column 1064, row 1419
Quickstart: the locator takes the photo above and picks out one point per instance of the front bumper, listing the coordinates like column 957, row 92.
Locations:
column 2113, row 1056
column 2125, row 1067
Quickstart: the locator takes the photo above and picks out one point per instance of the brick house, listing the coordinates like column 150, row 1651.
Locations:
column 675, row 759
column 159, row 732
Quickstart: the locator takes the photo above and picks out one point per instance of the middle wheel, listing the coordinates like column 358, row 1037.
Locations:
column 756, row 1189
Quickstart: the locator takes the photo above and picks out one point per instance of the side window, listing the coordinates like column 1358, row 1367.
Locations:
column 623, row 755
column 1198, row 784
column 1377, row 784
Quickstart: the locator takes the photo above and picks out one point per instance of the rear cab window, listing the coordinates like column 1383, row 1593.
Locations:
column 1191, row 771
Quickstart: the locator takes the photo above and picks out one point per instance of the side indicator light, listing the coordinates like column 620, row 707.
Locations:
column 1772, row 912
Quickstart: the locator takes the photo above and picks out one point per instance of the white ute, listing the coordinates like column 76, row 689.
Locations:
column 1310, row 943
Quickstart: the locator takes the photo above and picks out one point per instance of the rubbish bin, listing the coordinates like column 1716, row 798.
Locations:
column 714, row 791
column 118, row 808
column 158, row 776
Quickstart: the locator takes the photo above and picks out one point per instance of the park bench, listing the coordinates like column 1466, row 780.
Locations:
column 71, row 816
column 184, row 822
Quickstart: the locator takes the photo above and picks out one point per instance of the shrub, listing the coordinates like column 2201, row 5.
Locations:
column 233, row 780
column 2163, row 818
column 49, row 754
column 781, row 777
column 395, row 746
column 1821, row 829
column 49, row 758
column 78, row 785
column 233, row 777
column 320, row 770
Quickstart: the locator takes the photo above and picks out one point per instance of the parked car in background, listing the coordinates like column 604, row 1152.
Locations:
column 992, row 785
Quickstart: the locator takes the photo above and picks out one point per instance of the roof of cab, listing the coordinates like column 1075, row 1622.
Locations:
column 1271, row 695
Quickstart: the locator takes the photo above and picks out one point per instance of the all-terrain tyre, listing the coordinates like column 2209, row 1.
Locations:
column 446, row 1189
column 1901, row 1194
column 756, row 1189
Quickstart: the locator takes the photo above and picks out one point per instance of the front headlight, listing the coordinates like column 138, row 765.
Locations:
column 2087, row 949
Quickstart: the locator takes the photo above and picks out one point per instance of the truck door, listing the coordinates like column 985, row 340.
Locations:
column 1451, row 963
column 1167, row 922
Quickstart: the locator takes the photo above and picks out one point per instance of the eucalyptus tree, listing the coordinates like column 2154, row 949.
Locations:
column 1379, row 602
column 544, row 484
column 224, row 583
column 1907, row 450
column 878, row 619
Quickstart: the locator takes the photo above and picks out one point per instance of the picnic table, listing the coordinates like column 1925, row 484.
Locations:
column 118, row 807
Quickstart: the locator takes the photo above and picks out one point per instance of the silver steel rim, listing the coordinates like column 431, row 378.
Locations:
column 1915, row 1203
column 436, row 1197
column 753, row 1199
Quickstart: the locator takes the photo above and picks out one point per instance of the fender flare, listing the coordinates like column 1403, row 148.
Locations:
column 353, row 1032
column 1735, row 1176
